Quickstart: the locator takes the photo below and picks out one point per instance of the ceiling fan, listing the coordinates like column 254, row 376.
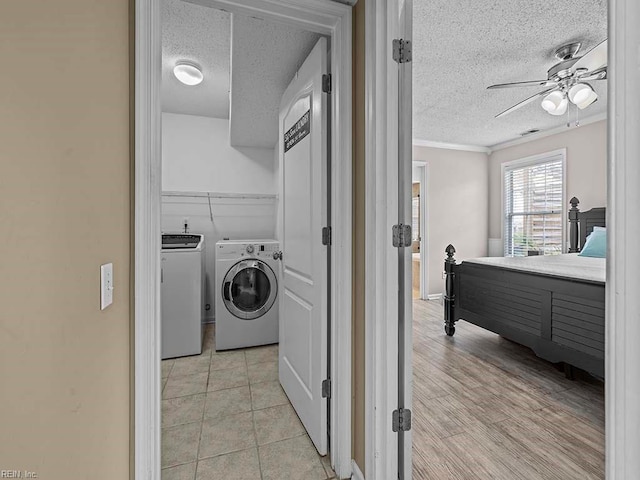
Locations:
column 566, row 80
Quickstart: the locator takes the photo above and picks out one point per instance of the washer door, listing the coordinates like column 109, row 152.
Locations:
column 249, row 289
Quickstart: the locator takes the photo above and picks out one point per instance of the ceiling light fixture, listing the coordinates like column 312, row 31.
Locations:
column 566, row 81
column 555, row 103
column 188, row 73
column 562, row 108
column 579, row 92
column 583, row 95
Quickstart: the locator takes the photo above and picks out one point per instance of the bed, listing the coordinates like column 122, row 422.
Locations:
column 554, row 305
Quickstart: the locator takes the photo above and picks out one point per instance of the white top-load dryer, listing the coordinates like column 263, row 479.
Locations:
column 182, row 290
column 246, row 293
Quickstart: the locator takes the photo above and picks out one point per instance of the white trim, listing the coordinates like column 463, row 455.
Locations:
column 147, row 427
column 532, row 160
column 324, row 17
column 622, row 355
column 217, row 196
column 435, row 297
column 423, row 167
column 424, row 238
column 405, row 151
column 356, row 473
column 417, row 142
column 496, row 247
column 547, row 133
column 451, row 146
column 385, row 20
column 381, row 264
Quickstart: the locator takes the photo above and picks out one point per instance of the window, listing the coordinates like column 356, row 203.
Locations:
column 533, row 205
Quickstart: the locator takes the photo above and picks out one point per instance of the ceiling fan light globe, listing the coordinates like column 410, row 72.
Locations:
column 561, row 108
column 548, row 105
column 552, row 101
column 593, row 96
column 579, row 93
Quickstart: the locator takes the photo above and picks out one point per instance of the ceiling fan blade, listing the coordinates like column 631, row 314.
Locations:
column 594, row 59
column 599, row 74
column 528, row 100
column 531, row 83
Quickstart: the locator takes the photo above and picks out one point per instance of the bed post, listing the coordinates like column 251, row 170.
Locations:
column 573, row 225
column 449, row 294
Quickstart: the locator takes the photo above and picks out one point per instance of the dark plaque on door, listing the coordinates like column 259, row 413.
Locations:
column 299, row 130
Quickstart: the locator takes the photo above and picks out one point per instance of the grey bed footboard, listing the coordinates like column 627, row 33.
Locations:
column 561, row 320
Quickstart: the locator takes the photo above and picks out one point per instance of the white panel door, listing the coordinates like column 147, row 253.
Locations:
column 303, row 214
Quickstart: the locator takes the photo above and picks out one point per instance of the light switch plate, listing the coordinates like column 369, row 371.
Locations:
column 106, row 285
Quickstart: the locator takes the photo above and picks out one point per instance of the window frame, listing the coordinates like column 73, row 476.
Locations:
column 537, row 159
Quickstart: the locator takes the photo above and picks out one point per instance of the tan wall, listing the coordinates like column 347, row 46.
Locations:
column 586, row 168
column 358, row 441
column 64, row 210
column 457, row 207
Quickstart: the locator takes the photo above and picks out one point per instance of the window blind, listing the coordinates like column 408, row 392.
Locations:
column 533, row 207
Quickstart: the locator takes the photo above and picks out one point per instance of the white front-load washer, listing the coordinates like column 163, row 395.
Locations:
column 246, row 293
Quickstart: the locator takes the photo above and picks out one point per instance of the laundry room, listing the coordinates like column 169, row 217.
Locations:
column 224, row 76
column 220, row 124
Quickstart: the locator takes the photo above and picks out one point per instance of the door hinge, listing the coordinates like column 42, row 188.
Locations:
column 401, row 235
column 326, row 83
column 326, row 235
column 326, row 388
column 401, row 50
column 401, row 421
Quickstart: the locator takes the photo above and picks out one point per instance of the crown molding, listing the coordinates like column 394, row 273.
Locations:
column 450, row 146
column 509, row 143
column 547, row 133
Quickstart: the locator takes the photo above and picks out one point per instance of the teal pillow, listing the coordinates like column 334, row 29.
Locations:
column 596, row 244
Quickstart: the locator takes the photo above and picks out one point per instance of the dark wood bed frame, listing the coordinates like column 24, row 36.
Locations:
column 560, row 319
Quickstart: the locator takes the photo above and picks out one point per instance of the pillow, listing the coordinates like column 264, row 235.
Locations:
column 596, row 244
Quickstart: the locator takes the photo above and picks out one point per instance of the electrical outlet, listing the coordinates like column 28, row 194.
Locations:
column 106, row 285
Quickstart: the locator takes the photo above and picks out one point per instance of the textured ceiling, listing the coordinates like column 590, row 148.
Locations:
column 201, row 35
column 264, row 58
column 247, row 64
column 463, row 46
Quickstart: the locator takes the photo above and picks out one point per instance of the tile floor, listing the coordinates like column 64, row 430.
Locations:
column 225, row 416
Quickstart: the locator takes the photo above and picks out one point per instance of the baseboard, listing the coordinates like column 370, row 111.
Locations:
column 435, row 297
column 356, row 474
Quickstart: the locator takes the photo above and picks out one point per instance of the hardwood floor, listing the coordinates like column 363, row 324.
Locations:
column 488, row 408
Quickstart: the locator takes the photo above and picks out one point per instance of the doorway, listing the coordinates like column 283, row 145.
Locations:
column 325, row 18
column 419, row 231
column 255, row 391
column 416, row 239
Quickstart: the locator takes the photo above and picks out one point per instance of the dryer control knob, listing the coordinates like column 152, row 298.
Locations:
column 250, row 249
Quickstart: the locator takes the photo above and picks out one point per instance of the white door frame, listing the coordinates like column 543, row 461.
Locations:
column 622, row 354
column 423, row 168
column 381, row 275
column 326, row 17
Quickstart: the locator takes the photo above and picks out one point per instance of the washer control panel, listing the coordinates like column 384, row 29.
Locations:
column 247, row 249
column 258, row 249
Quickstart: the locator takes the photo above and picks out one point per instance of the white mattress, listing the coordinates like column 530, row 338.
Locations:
column 569, row 265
